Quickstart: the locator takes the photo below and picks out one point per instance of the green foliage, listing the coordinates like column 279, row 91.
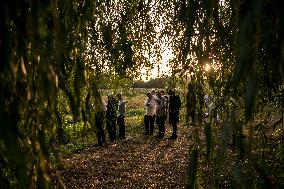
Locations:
column 135, row 112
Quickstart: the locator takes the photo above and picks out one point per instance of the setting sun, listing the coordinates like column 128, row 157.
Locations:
column 207, row 67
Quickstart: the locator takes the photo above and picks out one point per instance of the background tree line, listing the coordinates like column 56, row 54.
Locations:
column 159, row 83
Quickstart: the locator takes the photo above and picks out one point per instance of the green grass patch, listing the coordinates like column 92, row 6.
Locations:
column 135, row 112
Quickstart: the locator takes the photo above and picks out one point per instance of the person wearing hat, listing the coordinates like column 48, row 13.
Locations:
column 111, row 117
column 149, row 114
column 120, row 116
column 174, row 107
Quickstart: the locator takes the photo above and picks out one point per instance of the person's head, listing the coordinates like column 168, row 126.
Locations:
column 159, row 94
column 110, row 95
column 149, row 95
column 119, row 96
column 153, row 92
column 171, row 92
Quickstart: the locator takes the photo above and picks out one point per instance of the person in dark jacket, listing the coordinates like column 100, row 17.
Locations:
column 174, row 107
column 111, row 117
column 121, row 116
column 99, row 120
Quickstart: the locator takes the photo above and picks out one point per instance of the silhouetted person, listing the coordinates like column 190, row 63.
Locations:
column 174, row 107
column 149, row 114
column 111, row 117
column 167, row 103
column 99, row 120
column 121, row 116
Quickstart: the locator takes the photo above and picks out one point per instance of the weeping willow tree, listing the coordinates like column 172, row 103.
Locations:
column 55, row 47
column 242, row 41
column 49, row 48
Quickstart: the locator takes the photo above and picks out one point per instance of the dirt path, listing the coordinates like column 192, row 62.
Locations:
column 136, row 162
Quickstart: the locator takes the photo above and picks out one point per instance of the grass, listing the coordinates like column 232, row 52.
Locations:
column 77, row 138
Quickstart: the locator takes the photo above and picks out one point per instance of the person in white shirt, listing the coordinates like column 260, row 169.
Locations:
column 150, row 111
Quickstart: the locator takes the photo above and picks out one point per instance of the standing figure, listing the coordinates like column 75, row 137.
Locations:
column 161, row 102
column 167, row 103
column 120, row 116
column 154, row 95
column 111, row 117
column 149, row 114
column 100, row 109
column 174, row 107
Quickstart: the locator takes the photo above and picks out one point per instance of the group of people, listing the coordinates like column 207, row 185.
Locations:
column 157, row 107
column 114, row 114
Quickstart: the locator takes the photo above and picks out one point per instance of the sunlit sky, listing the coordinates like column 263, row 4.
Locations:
column 163, row 65
column 165, row 68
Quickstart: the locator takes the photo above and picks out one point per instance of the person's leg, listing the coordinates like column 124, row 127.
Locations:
column 103, row 136
column 146, row 124
column 192, row 115
column 99, row 128
column 123, row 127
column 174, row 125
column 152, row 121
column 163, row 119
column 158, row 122
column 174, row 134
column 154, row 117
column 114, row 128
column 100, row 135
column 101, row 119
column 110, row 130
column 102, row 123
column 118, row 121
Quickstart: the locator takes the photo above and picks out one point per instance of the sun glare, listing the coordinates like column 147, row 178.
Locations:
column 207, row 67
